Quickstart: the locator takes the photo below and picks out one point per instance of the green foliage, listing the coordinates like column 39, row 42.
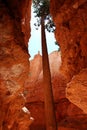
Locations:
column 41, row 9
column 56, row 43
column 49, row 24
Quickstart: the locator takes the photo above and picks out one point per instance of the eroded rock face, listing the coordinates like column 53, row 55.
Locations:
column 35, row 79
column 66, row 111
column 20, row 12
column 14, row 64
column 77, row 90
column 70, row 18
column 71, row 33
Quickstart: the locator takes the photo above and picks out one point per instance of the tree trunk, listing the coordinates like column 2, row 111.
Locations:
column 48, row 94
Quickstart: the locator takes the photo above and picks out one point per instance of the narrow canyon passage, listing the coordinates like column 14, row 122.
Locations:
column 14, row 66
column 21, row 87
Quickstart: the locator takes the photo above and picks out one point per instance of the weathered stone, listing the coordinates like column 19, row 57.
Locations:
column 35, row 94
column 71, row 34
column 14, row 65
column 77, row 91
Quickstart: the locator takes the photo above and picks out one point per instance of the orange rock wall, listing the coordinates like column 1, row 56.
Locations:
column 71, row 33
column 68, row 115
column 14, row 63
column 20, row 12
column 70, row 18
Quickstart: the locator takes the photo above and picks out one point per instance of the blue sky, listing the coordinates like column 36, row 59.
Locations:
column 35, row 40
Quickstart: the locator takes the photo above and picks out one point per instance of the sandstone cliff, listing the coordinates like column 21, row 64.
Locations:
column 71, row 33
column 65, row 110
column 14, row 64
column 18, row 81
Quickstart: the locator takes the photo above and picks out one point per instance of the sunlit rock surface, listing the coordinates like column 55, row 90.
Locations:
column 35, row 78
column 70, row 18
column 14, row 64
column 66, row 112
column 77, row 90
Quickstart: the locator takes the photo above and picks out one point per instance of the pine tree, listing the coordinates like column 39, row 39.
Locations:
column 41, row 9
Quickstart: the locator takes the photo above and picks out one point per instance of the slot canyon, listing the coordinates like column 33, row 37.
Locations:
column 21, row 80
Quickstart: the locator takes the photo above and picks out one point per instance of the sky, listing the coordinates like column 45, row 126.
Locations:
column 35, row 40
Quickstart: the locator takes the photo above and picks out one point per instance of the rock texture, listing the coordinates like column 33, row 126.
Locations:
column 70, row 18
column 77, row 90
column 71, row 33
column 20, row 12
column 14, row 64
column 67, row 113
column 34, row 88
